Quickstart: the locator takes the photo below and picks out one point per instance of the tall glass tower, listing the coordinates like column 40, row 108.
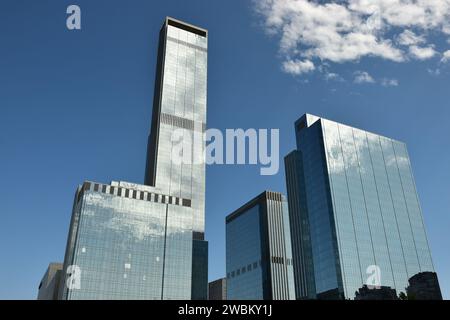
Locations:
column 179, row 105
column 354, row 211
column 132, row 241
column 258, row 249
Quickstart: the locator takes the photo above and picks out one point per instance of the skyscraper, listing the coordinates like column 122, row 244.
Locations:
column 354, row 211
column 180, row 104
column 258, row 250
column 132, row 241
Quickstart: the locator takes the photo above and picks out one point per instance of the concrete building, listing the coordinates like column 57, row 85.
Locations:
column 50, row 283
column 217, row 289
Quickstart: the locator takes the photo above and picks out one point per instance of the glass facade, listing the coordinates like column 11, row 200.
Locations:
column 180, row 106
column 299, row 227
column 135, row 241
column 243, row 248
column 128, row 244
column 360, row 203
column 258, row 250
column 199, row 270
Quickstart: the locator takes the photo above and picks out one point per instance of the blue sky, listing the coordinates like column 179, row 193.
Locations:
column 76, row 105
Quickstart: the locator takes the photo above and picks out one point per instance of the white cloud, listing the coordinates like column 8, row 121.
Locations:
column 331, row 76
column 315, row 32
column 422, row 53
column 413, row 41
column 408, row 38
column 297, row 67
column 446, row 28
column 363, row 77
column 385, row 82
column 446, row 56
column 434, row 72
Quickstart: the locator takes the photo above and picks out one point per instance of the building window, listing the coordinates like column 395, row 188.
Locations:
column 278, row 260
column 96, row 186
column 142, row 195
column 111, row 190
column 127, row 193
column 104, row 188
